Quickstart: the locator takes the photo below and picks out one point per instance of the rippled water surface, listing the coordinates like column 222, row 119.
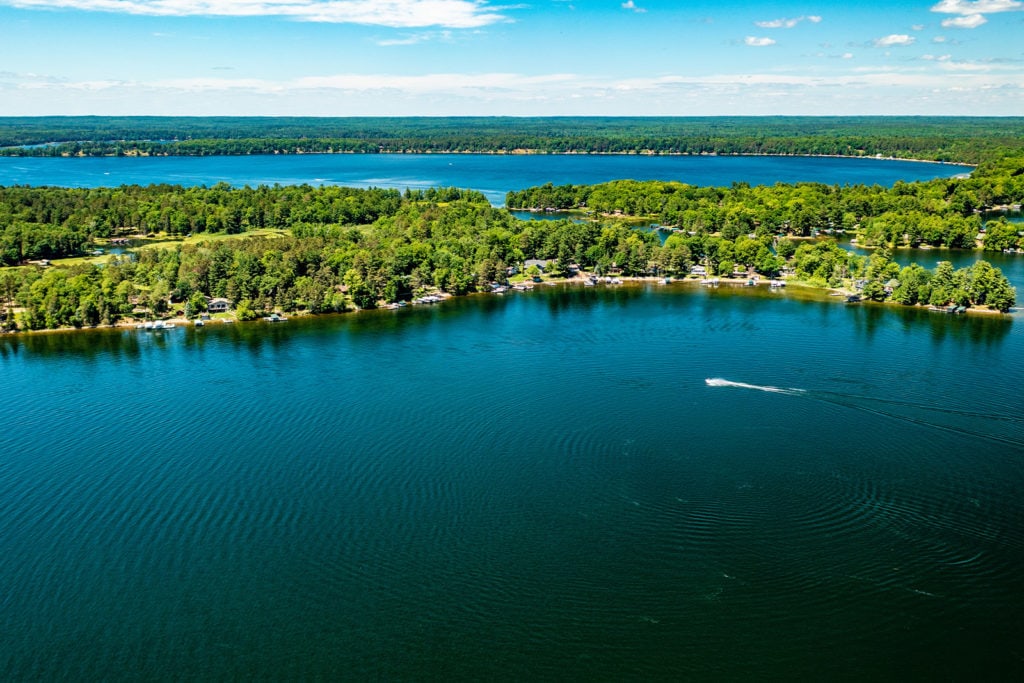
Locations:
column 543, row 485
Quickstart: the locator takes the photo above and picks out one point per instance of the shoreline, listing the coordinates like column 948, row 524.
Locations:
column 508, row 152
column 831, row 293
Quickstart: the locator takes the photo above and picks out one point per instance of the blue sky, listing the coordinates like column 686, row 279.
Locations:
column 482, row 57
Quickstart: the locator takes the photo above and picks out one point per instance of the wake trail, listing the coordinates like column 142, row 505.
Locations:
column 835, row 398
column 926, row 406
column 719, row 382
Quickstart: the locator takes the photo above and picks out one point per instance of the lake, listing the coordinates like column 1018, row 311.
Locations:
column 540, row 485
column 494, row 175
column 642, row 482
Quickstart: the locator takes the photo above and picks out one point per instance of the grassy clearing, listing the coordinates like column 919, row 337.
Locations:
column 160, row 241
column 167, row 241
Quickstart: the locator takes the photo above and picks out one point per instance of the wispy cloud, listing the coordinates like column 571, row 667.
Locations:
column 753, row 41
column 968, row 21
column 630, row 5
column 978, row 7
column 416, row 38
column 787, row 23
column 393, row 13
column 972, row 14
column 941, row 86
column 895, row 40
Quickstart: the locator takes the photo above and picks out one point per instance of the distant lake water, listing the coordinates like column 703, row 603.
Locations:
column 643, row 482
column 494, row 175
column 537, row 486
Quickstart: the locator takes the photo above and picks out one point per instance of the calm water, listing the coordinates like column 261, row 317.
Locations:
column 541, row 485
column 534, row 486
column 494, row 175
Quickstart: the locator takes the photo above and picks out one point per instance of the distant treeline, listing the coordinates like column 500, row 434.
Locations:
column 941, row 212
column 953, row 139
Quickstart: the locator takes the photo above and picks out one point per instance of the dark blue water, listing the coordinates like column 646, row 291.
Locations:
column 494, row 175
column 540, row 485
column 535, row 486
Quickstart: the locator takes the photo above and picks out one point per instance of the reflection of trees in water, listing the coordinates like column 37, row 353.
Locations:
column 969, row 328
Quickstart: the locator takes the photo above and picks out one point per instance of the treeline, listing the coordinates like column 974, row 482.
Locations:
column 457, row 244
column 454, row 242
column 942, row 212
column 49, row 222
column 961, row 139
column 879, row 278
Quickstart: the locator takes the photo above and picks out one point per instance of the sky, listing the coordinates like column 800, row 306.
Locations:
column 498, row 58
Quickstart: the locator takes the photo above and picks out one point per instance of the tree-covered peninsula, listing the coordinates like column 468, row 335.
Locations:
column 943, row 212
column 328, row 249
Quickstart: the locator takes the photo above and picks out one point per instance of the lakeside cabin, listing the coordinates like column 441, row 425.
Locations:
column 218, row 305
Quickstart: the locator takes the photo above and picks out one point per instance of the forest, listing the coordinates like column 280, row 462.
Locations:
column 960, row 139
column 942, row 212
column 328, row 249
column 347, row 249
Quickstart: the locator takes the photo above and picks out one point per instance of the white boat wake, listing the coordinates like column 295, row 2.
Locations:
column 719, row 382
column 885, row 408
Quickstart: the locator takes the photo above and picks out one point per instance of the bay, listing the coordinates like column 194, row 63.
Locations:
column 638, row 482
column 494, row 175
column 539, row 485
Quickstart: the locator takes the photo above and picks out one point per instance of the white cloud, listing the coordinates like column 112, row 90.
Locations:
column 393, row 13
column 787, row 23
column 416, row 38
column 896, row 39
column 753, row 41
column 630, row 5
column 968, row 21
column 949, row 89
column 966, row 7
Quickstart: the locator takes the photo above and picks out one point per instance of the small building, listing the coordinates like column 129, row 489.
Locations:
column 542, row 264
column 218, row 305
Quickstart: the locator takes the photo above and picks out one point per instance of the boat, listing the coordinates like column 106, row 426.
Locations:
column 154, row 326
column 276, row 318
